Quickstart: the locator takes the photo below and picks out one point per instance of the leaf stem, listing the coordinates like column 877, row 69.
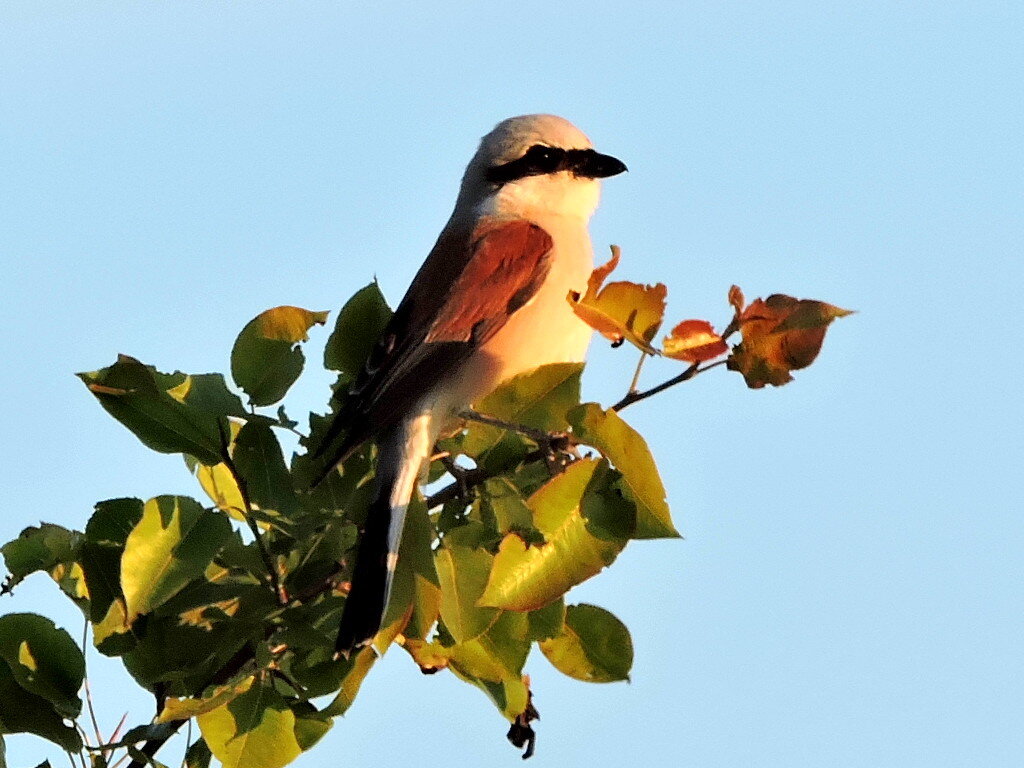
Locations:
column 636, row 376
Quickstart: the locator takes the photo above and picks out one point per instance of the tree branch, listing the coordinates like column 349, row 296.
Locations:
column 689, row 373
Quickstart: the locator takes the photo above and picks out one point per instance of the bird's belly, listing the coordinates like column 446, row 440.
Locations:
column 545, row 330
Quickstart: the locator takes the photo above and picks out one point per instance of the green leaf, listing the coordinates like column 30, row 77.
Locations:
column 255, row 730
column 100, row 556
column 593, row 646
column 463, row 570
column 129, row 391
column 310, row 725
column 257, row 457
column 539, row 399
column 360, row 324
column 171, row 545
column 546, row 622
column 24, row 712
column 628, row 452
column 198, row 754
column 494, row 662
column 43, row 659
column 266, row 359
column 49, row 548
column 208, row 392
column 586, row 523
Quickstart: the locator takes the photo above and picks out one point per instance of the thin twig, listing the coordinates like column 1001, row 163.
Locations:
column 537, row 435
column 479, row 475
column 689, row 373
column 88, row 690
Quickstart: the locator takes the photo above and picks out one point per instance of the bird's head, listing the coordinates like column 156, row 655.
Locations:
column 535, row 166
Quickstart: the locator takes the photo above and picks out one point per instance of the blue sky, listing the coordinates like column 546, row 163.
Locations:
column 849, row 590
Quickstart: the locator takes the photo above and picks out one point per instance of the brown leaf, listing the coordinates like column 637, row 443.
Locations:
column 736, row 298
column 621, row 310
column 694, row 341
column 780, row 334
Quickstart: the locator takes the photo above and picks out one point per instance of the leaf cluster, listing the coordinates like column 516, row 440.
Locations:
column 227, row 609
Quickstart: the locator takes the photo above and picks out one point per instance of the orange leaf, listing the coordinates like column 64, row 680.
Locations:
column 694, row 341
column 780, row 334
column 621, row 310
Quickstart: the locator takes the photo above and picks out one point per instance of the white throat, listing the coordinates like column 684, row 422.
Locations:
column 540, row 197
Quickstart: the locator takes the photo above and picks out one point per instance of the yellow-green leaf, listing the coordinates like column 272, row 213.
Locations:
column 628, row 452
column 254, row 730
column 171, row 545
column 463, row 571
column 585, row 523
column 593, row 646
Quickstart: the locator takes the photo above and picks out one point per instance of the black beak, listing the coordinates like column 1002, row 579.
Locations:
column 593, row 165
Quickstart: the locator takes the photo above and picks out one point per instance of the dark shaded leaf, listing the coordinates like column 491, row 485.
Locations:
column 266, row 359
column 24, row 712
column 43, row 659
column 257, row 457
column 128, row 391
column 359, row 326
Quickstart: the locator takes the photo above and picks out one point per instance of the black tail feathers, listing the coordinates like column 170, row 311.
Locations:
column 367, row 598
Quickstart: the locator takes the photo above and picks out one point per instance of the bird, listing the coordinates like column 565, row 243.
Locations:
column 488, row 303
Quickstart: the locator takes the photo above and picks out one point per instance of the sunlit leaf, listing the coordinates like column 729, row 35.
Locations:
column 539, row 399
column 266, row 359
column 359, row 325
column 577, row 512
column 463, row 570
column 621, row 310
column 100, row 556
column 129, row 391
column 183, row 709
column 172, row 544
column 494, row 662
column 780, row 334
column 694, row 341
column 43, row 659
column 254, row 730
column 359, row 667
column 593, row 646
column 628, row 452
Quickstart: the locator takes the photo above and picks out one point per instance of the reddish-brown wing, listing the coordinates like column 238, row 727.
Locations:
column 447, row 313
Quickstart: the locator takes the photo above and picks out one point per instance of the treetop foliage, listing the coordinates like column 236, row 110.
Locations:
column 227, row 609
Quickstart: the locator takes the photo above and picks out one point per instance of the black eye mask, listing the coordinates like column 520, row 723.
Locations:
column 540, row 160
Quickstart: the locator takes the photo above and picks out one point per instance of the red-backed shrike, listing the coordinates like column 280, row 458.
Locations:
column 488, row 303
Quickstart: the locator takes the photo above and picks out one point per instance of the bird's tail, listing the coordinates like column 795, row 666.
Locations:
column 402, row 452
